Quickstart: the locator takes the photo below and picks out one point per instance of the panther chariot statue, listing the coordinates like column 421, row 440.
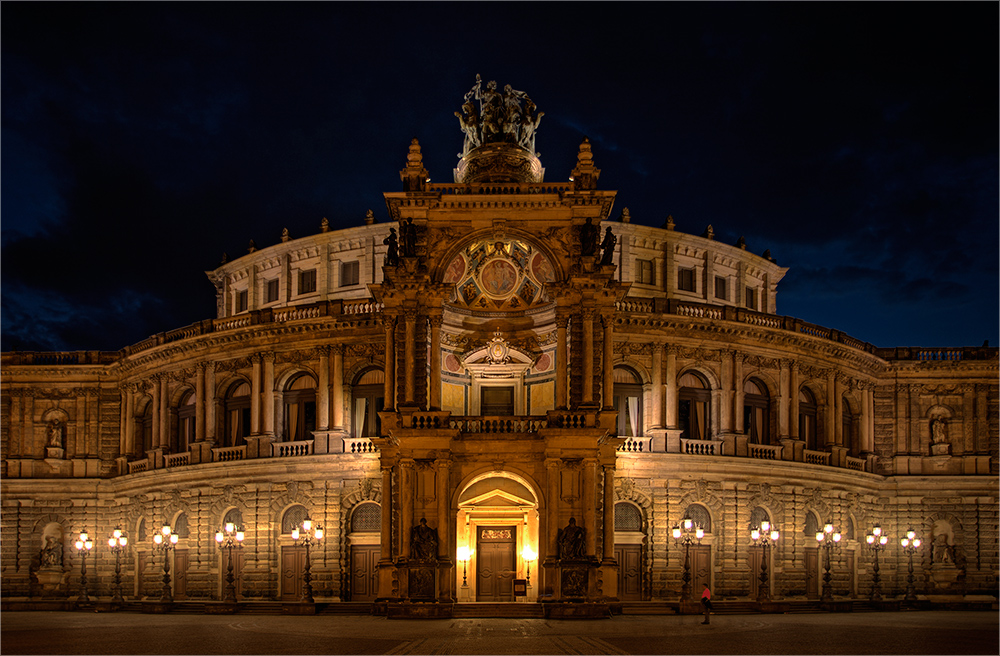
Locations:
column 499, row 129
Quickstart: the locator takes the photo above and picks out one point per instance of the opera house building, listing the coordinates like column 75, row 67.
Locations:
column 507, row 392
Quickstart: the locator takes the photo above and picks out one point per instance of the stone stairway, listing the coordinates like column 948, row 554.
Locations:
column 508, row 610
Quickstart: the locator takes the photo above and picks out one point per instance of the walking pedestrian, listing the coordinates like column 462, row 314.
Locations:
column 706, row 602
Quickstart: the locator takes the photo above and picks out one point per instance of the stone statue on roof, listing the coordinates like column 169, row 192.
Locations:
column 507, row 116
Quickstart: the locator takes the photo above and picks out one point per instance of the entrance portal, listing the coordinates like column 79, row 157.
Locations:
column 495, row 564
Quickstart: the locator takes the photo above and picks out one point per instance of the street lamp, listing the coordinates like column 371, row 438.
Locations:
column 910, row 545
column 682, row 535
column 828, row 539
column 231, row 539
column 764, row 536
column 307, row 535
column 163, row 542
column 464, row 554
column 876, row 542
column 84, row 545
column 529, row 555
column 117, row 543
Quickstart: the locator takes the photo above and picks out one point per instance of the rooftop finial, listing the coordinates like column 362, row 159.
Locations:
column 584, row 175
column 500, row 117
column 415, row 177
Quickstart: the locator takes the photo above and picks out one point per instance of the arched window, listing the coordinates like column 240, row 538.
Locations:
column 144, row 431
column 237, row 414
column 758, row 515
column 140, row 531
column 628, row 518
column 700, row 516
column 807, row 420
column 756, row 412
column 369, row 399
column 300, row 408
column 850, row 429
column 181, row 526
column 293, row 518
column 234, row 516
column 185, row 423
column 628, row 402
column 694, row 400
column 366, row 518
column 812, row 526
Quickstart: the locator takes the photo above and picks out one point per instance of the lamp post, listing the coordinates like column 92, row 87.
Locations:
column 529, row 555
column 231, row 539
column 117, row 543
column 876, row 542
column 84, row 545
column 910, row 545
column 682, row 535
column 827, row 539
column 309, row 534
column 163, row 542
column 764, row 536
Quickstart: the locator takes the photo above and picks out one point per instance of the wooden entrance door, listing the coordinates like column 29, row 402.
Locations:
column 629, row 557
column 293, row 565
column 142, row 562
column 852, row 579
column 364, row 572
column 237, row 570
column 812, row 572
column 495, row 563
column 701, row 569
column 754, row 560
column 181, row 560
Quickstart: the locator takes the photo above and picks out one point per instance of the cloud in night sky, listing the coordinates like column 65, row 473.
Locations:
column 857, row 142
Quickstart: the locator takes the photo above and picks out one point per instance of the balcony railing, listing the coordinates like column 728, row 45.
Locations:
column 816, row 457
column 292, row 449
column 177, row 459
column 764, row 451
column 498, row 424
column 701, row 447
column 229, row 453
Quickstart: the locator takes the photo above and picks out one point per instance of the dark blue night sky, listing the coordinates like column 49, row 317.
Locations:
column 856, row 141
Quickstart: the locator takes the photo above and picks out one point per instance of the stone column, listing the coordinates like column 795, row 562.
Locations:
column 967, row 440
column 838, row 411
column 323, row 390
column 268, row 394
column 608, row 400
column 590, row 505
column 671, row 387
column 562, row 353
column 784, row 399
column 386, row 546
column 164, row 418
column 656, row 417
column 389, row 323
column 445, row 527
column 129, row 422
column 406, row 499
column 410, row 355
column 552, row 469
column 609, row 512
column 435, row 363
column 793, row 407
column 255, row 395
column 210, row 402
column 154, row 394
column 199, row 402
column 338, row 387
column 588, row 355
column 738, row 426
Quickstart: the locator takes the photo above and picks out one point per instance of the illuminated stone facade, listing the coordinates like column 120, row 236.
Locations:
column 491, row 371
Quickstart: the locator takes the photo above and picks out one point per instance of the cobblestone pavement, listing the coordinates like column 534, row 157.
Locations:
column 910, row 632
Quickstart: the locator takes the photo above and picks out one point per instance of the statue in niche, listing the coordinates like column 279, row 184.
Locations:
column 939, row 430
column 943, row 552
column 423, row 541
column 52, row 552
column 571, row 541
column 609, row 246
column 55, row 432
column 392, row 250
column 408, row 232
column 588, row 238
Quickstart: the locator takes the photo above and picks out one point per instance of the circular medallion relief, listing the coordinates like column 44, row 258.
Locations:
column 543, row 363
column 498, row 278
column 452, row 364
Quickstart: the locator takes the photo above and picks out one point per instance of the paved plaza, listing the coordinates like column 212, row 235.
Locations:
column 910, row 632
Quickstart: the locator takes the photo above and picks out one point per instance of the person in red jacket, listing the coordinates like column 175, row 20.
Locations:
column 706, row 601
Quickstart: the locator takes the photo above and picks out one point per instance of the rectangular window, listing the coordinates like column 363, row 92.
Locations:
column 307, row 281
column 685, row 280
column 644, row 269
column 271, row 291
column 751, row 298
column 720, row 288
column 349, row 273
column 241, row 301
